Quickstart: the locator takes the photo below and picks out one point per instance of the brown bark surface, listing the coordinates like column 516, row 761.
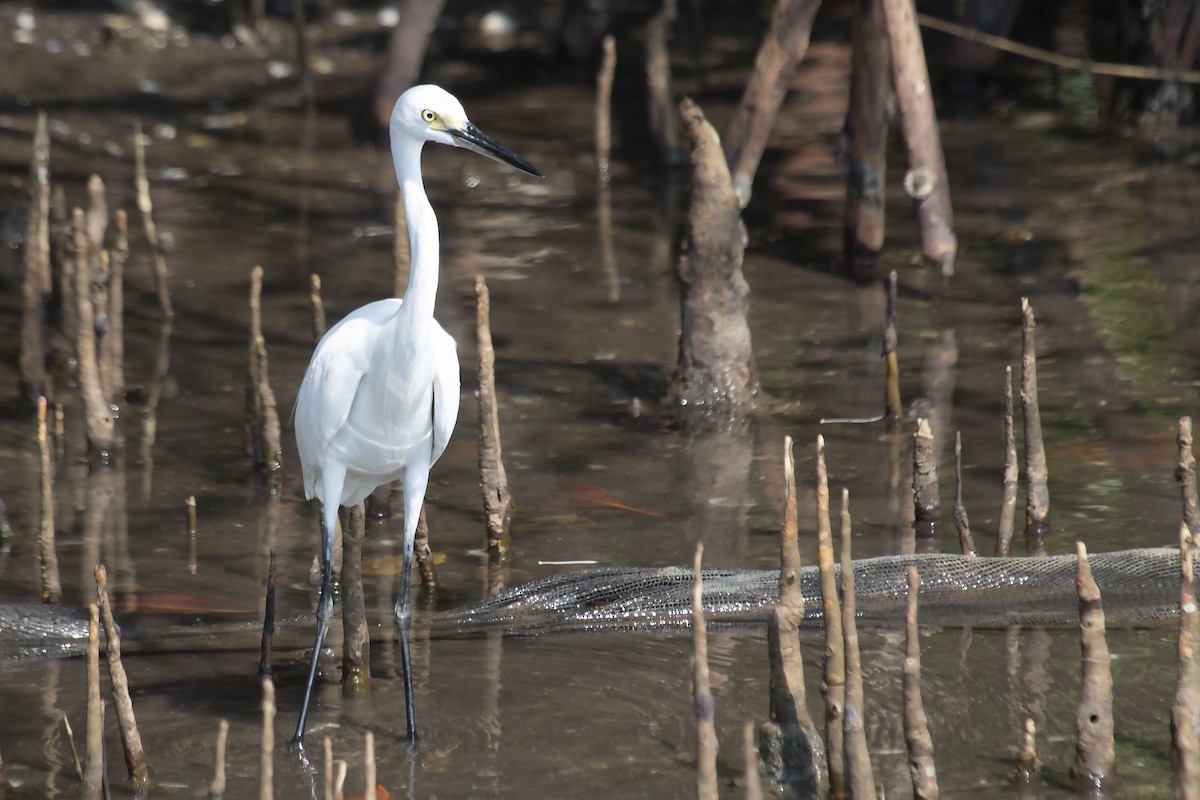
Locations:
column 715, row 379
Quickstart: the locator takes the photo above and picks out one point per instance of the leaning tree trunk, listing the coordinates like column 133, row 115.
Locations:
column 715, row 382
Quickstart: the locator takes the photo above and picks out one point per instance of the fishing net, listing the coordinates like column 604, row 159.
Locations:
column 1139, row 587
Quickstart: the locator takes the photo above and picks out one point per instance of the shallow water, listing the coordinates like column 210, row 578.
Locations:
column 1097, row 230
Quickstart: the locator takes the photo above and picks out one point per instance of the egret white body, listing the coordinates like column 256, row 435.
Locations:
column 379, row 400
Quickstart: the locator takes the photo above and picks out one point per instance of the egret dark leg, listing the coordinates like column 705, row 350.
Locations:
column 416, row 478
column 325, row 603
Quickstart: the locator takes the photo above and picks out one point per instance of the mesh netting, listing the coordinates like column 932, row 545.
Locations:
column 1139, row 587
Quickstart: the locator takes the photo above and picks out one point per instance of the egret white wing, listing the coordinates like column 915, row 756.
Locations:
column 332, row 380
column 445, row 390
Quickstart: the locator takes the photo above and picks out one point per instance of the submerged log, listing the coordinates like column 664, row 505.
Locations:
column 715, row 380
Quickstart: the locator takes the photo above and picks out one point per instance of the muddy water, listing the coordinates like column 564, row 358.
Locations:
column 1097, row 230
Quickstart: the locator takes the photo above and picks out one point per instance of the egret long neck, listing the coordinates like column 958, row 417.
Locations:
column 423, row 240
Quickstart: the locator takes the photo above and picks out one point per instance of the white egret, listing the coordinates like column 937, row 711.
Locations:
column 380, row 397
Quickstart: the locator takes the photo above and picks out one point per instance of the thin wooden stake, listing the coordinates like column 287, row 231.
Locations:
column 216, row 789
column 263, row 428
column 356, row 635
column 318, row 307
column 1027, row 758
column 339, row 782
column 327, row 746
column 97, row 409
column 833, row 686
column 113, row 355
column 1037, row 491
column 93, row 774
column 706, row 734
column 47, row 551
column 604, row 82
column 146, row 207
column 493, row 479
column 1185, row 473
column 190, row 506
column 1185, row 711
column 266, row 784
column 891, row 338
column 1095, row 751
column 131, row 740
column 858, row 756
column 36, row 280
column 369, row 766
column 965, row 542
column 916, row 725
column 1008, row 507
column 268, row 631
column 74, row 750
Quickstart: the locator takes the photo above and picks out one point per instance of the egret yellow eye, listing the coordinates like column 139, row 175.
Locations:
column 428, row 115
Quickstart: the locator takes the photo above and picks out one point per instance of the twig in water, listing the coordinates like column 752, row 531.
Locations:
column 965, row 542
column 369, row 766
column 1008, row 507
column 1037, row 491
column 131, row 740
column 916, row 725
column 190, row 505
column 327, row 746
column 216, row 789
column 1027, row 758
column 1185, row 474
column 74, row 750
column 268, row 630
column 858, row 756
column 36, row 282
column 318, row 307
column 604, row 82
column 146, row 207
column 93, row 773
column 47, row 551
column 266, row 787
column 834, row 684
column 891, row 338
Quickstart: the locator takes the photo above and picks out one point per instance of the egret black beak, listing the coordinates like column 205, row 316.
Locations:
column 472, row 138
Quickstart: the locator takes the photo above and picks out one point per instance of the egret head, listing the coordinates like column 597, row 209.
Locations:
column 429, row 113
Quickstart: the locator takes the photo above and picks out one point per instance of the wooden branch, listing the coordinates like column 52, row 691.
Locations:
column 926, row 182
column 1008, row 506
